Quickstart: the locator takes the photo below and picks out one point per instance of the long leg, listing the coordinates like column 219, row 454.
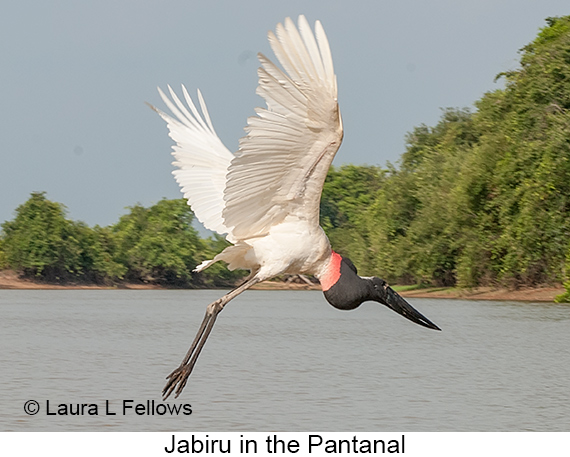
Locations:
column 179, row 377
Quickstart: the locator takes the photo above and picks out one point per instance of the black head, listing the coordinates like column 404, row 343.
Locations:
column 351, row 290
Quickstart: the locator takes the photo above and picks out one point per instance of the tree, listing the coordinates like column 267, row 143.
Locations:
column 347, row 193
column 3, row 262
column 525, row 139
column 41, row 243
column 565, row 297
column 485, row 198
column 414, row 224
column 154, row 245
column 158, row 244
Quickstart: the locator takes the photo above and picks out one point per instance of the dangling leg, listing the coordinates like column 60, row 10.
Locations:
column 178, row 378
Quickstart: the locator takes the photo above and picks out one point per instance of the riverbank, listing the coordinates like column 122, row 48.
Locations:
column 9, row 280
column 535, row 294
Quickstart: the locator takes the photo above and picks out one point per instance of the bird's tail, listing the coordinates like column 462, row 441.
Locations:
column 235, row 256
column 205, row 264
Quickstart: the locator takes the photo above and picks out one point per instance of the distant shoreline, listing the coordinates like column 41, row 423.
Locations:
column 10, row 281
column 527, row 294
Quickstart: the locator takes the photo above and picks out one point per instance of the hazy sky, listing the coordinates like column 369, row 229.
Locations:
column 75, row 75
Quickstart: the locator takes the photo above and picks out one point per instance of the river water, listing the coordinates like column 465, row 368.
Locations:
column 281, row 361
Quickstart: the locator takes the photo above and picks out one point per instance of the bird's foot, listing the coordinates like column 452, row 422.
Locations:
column 178, row 378
column 177, row 381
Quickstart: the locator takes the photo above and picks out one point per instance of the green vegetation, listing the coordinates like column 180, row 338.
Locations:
column 482, row 198
column 155, row 245
column 40, row 242
column 565, row 297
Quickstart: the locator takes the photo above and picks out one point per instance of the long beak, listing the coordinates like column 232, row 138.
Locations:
column 394, row 301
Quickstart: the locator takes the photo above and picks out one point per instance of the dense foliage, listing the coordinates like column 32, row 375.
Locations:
column 156, row 245
column 482, row 198
column 40, row 242
column 565, row 297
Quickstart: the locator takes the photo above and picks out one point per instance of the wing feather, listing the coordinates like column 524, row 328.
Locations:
column 201, row 159
column 283, row 159
column 312, row 46
column 281, row 164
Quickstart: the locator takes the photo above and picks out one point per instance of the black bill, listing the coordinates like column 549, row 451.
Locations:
column 394, row 301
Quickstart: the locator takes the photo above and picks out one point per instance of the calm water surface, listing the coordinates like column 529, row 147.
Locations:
column 284, row 361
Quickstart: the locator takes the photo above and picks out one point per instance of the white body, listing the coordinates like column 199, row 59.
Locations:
column 294, row 246
column 266, row 197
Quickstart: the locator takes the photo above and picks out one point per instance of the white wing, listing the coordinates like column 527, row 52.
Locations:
column 283, row 160
column 201, row 158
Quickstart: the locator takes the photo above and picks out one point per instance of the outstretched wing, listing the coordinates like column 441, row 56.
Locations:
column 283, row 160
column 201, row 158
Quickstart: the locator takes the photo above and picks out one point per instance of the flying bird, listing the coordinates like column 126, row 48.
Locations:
column 265, row 198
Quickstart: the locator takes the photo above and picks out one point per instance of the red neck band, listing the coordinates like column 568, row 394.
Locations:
column 332, row 274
